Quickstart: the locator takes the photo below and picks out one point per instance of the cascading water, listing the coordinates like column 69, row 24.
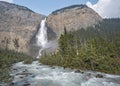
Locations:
column 42, row 37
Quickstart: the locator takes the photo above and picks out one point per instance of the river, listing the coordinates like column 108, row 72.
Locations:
column 36, row 74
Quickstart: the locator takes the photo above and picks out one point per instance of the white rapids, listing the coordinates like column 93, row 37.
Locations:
column 42, row 37
column 36, row 74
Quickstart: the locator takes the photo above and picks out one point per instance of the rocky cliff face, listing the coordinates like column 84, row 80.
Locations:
column 73, row 18
column 18, row 26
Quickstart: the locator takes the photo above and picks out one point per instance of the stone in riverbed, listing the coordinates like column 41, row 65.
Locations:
column 99, row 76
column 26, row 84
column 79, row 71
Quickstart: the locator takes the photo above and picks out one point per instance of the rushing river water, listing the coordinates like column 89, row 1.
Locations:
column 36, row 74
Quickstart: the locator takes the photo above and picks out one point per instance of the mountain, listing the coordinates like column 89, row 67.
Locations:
column 18, row 27
column 72, row 18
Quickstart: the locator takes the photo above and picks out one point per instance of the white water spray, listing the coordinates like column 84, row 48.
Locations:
column 42, row 37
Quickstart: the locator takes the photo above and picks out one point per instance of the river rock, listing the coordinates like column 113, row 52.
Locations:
column 79, row 71
column 99, row 76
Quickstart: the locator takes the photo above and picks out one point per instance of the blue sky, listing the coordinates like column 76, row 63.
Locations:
column 47, row 6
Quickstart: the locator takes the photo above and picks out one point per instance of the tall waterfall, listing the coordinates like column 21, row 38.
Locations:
column 42, row 37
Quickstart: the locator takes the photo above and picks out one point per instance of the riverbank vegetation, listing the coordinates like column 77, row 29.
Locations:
column 7, row 59
column 95, row 48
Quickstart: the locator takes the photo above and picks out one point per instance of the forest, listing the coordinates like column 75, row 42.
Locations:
column 7, row 59
column 95, row 48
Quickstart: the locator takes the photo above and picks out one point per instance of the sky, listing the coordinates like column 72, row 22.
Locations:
column 105, row 8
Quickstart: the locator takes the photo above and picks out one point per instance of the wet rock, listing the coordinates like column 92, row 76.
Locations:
column 82, row 72
column 79, row 71
column 53, row 67
column 99, row 76
column 11, row 84
column 26, row 84
column 32, row 76
column 21, row 77
column 37, row 68
column 15, row 69
column 25, row 70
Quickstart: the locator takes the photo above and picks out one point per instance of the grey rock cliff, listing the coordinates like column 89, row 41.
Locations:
column 73, row 18
column 18, row 27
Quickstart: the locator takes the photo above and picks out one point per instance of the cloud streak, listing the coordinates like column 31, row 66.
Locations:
column 10, row 1
column 106, row 8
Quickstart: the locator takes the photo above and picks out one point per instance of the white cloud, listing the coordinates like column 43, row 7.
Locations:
column 10, row 1
column 106, row 8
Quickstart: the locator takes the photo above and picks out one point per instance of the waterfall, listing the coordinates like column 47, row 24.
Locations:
column 42, row 37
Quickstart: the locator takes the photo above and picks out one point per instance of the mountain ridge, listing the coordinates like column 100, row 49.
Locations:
column 69, row 7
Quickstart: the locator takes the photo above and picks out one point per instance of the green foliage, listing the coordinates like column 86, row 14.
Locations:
column 28, row 60
column 95, row 48
column 7, row 59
